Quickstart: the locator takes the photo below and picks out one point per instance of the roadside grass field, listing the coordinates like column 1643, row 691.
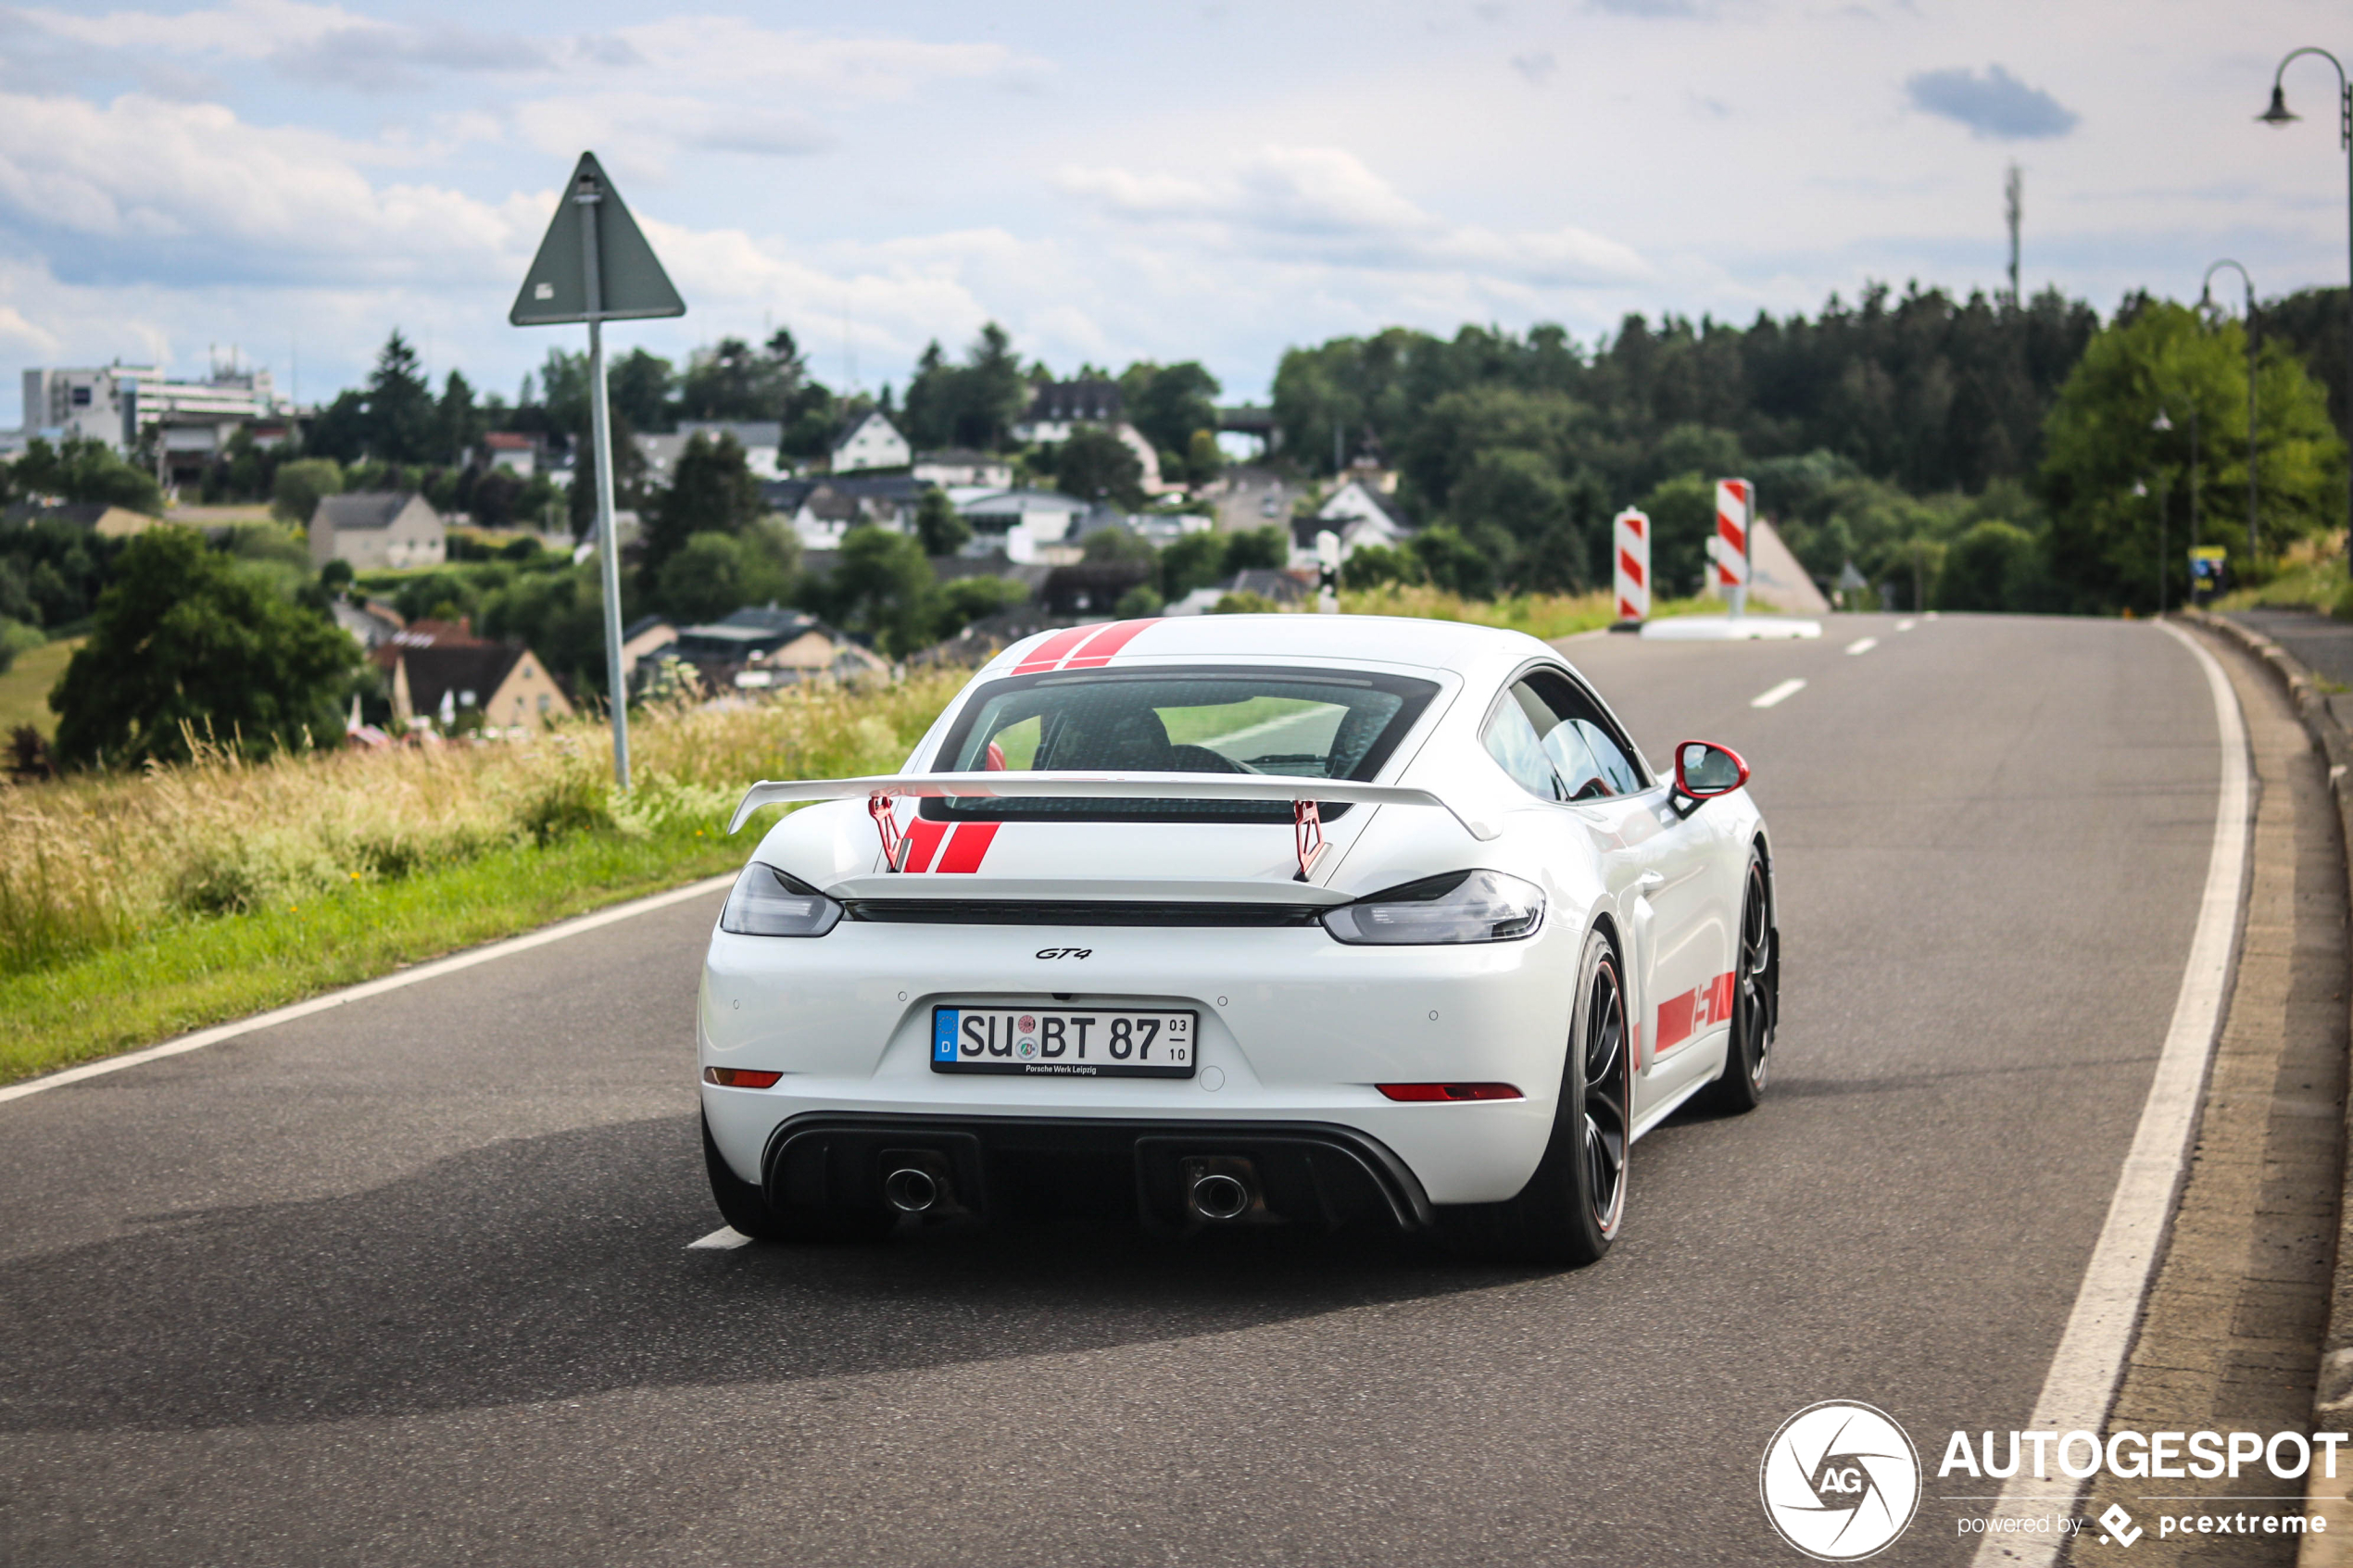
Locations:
column 1540, row 615
column 134, row 907
column 24, row 687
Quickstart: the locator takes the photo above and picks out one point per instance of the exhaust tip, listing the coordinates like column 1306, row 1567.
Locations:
column 1220, row 1197
column 911, row 1190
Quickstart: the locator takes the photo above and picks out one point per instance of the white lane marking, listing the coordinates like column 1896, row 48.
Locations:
column 1929, row 616
column 1862, row 645
column 1780, row 693
column 1905, row 624
column 2081, row 1381
column 362, row 992
column 727, row 1238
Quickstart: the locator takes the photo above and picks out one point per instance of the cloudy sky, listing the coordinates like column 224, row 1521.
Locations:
column 1115, row 182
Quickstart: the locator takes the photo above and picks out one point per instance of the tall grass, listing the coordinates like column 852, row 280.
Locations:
column 1539, row 615
column 96, row 862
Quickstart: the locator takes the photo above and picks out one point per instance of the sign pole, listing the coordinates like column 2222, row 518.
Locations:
column 600, row 440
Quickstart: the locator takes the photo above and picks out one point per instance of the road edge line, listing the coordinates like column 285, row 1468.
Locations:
column 367, row 988
column 2085, row 1370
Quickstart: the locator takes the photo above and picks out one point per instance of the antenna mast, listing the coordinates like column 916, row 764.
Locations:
column 2014, row 204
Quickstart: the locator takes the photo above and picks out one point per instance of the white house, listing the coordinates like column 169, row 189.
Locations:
column 1021, row 522
column 958, row 469
column 873, row 443
column 1359, row 513
column 377, row 529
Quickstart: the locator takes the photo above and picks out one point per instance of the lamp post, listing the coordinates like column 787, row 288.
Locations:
column 2206, row 300
column 2277, row 115
column 2161, row 425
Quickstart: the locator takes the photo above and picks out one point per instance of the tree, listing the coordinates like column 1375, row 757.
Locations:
column 458, row 425
column 731, row 380
column 973, row 404
column 1190, row 561
column 1095, row 464
column 704, row 580
column 1266, row 549
column 628, row 474
column 80, row 468
column 401, row 415
column 639, row 385
column 295, row 496
column 712, row 491
column 2103, row 542
column 968, row 599
column 185, row 636
column 1113, row 546
column 882, row 585
column 1453, row 562
column 1992, row 566
column 941, row 528
column 1169, row 403
column 1140, row 602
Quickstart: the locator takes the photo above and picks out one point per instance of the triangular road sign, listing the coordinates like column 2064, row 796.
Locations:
column 555, row 289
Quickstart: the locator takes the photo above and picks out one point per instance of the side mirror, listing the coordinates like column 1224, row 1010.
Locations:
column 1703, row 769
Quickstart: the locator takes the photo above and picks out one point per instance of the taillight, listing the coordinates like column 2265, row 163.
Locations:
column 1450, row 1091
column 740, row 1078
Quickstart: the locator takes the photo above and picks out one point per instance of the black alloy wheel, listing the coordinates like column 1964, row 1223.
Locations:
column 1748, row 1056
column 1572, row 1208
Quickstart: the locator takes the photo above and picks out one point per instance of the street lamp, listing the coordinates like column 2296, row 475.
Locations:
column 2206, row 300
column 2161, row 425
column 2278, row 115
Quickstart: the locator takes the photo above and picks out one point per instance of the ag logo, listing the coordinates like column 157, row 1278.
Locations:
column 1840, row 1481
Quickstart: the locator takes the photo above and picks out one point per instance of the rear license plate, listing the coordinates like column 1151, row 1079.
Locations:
column 1063, row 1042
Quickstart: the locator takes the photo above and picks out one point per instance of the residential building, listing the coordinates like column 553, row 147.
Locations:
column 959, row 466
column 518, row 454
column 1022, row 523
column 376, row 530
column 872, row 443
column 644, row 640
column 447, row 679
column 1056, row 408
column 764, row 645
column 1091, row 589
column 823, row 507
column 1288, row 589
column 372, row 624
column 1360, row 512
column 760, row 440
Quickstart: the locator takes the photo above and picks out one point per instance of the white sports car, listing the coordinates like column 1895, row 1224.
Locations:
column 1241, row 920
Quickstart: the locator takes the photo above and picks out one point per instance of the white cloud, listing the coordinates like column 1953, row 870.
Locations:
column 1323, row 204
column 143, row 188
column 244, row 29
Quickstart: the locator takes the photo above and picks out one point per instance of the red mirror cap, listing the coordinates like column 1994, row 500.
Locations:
column 1714, row 786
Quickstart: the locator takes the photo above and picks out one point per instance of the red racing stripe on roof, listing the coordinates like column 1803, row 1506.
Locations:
column 1106, row 642
column 1045, row 655
column 967, row 847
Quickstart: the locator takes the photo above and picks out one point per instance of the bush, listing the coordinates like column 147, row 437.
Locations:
column 1138, row 603
column 295, row 493
column 1245, row 603
column 1993, row 566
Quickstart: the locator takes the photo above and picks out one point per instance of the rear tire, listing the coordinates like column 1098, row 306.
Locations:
column 1756, row 1003
column 750, row 1214
column 1572, row 1208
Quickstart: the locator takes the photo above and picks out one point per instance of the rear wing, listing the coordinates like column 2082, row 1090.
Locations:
column 1303, row 795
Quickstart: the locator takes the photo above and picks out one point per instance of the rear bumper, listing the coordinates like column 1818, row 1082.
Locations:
column 1301, row 1172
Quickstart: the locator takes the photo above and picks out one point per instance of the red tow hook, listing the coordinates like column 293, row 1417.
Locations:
column 884, row 810
column 1307, row 835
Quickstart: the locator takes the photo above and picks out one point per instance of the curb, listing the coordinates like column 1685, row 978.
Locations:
column 2332, row 1391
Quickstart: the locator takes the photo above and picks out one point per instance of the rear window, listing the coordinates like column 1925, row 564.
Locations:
column 1287, row 723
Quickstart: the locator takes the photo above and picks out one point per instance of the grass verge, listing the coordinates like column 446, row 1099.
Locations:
column 1540, row 615
column 188, row 975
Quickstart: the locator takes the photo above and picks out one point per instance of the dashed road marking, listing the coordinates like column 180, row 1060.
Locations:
column 727, row 1238
column 1780, row 693
column 1905, row 624
column 1862, row 645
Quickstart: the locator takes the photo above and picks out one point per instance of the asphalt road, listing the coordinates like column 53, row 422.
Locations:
column 408, row 1283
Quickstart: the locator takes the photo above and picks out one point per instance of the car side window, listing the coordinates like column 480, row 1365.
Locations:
column 1580, row 759
column 1513, row 738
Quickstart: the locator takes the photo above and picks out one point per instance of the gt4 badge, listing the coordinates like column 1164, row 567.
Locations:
column 1063, row 952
